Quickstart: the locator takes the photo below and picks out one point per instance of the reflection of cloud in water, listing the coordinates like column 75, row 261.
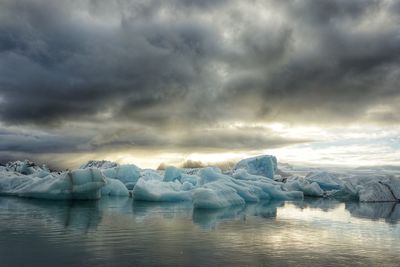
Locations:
column 388, row 211
column 317, row 203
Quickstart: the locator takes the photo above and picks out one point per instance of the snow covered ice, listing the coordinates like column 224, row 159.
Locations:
column 251, row 180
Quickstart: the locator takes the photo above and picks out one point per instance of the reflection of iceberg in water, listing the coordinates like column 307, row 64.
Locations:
column 324, row 204
column 115, row 204
column 375, row 211
column 83, row 216
column 209, row 219
column 167, row 210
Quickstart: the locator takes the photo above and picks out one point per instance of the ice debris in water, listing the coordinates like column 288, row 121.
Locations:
column 251, row 180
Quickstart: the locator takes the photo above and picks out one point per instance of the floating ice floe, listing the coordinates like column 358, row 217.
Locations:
column 326, row 180
column 128, row 174
column 265, row 165
column 210, row 188
column 250, row 181
column 371, row 188
column 78, row 184
column 364, row 188
column 114, row 187
column 311, row 189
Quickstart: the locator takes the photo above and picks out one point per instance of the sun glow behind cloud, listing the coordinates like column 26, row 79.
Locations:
column 336, row 146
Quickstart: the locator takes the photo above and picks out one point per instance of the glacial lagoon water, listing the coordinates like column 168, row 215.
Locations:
column 122, row 232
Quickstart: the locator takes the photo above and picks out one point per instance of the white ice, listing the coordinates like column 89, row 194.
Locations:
column 128, row 174
column 251, row 180
column 78, row 184
column 265, row 165
column 114, row 187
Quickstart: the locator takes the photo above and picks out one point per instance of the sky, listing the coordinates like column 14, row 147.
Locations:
column 157, row 81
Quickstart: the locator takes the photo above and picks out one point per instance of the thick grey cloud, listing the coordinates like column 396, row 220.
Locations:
column 158, row 68
column 240, row 138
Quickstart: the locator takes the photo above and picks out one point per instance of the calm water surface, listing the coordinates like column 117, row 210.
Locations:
column 121, row 232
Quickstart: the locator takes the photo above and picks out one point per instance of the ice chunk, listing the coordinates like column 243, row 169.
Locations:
column 381, row 191
column 151, row 175
column 218, row 190
column 27, row 167
column 265, row 165
column 215, row 195
column 194, row 180
column 156, row 190
column 78, row 184
column 375, row 188
column 311, row 189
column 114, row 187
column 127, row 174
column 348, row 192
column 326, row 180
column 242, row 174
column 172, row 174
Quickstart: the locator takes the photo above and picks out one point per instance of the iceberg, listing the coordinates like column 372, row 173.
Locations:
column 114, row 187
column 172, row 174
column 218, row 190
column 26, row 167
column 78, row 184
column 152, row 186
column 311, row 189
column 216, row 195
column 210, row 188
column 265, row 165
column 364, row 188
column 380, row 190
column 128, row 174
column 252, row 180
column 326, row 180
column 155, row 190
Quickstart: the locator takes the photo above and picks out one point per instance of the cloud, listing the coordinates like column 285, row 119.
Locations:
column 168, row 74
column 16, row 140
column 268, row 60
column 222, row 138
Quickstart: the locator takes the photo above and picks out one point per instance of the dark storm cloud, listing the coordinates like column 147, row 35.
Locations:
column 194, row 139
column 185, row 66
column 342, row 57
column 55, row 67
column 30, row 142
